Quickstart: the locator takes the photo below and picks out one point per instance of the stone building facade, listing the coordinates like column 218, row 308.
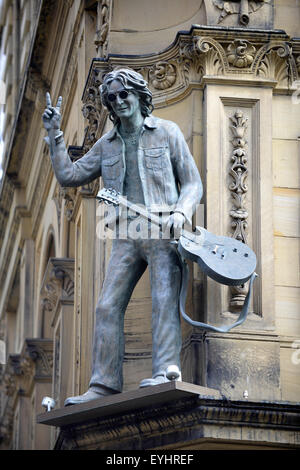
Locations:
column 228, row 73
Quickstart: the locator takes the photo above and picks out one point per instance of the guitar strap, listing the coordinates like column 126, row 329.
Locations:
column 182, row 300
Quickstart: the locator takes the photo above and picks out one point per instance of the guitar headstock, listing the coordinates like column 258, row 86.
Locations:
column 108, row 196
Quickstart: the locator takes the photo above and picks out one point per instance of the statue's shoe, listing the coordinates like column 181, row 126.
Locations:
column 171, row 373
column 90, row 395
column 156, row 380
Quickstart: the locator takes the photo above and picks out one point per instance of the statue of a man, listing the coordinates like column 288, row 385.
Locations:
column 147, row 160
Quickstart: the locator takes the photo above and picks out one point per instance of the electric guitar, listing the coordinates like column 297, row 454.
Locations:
column 224, row 259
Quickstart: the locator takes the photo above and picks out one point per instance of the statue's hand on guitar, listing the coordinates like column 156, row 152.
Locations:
column 175, row 224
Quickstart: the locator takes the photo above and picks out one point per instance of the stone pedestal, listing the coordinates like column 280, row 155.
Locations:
column 175, row 416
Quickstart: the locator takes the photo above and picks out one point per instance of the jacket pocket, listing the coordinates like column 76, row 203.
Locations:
column 110, row 168
column 155, row 158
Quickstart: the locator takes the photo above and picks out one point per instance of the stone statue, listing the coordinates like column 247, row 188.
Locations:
column 147, row 160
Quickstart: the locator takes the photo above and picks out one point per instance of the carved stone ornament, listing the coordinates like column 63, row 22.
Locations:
column 243, row 8
column 58, row 198
column 211, row 56
column 240, row 53
column 58, row 283
column 298, row 65
column 70, row 195
column 191, row 59
column 91, row 110
column 239, row 173
column 238, row 187
column 162, row 75
column 275, row 65
column 275, row 61
column 50, row 295
column 66, row 276
column 9, row 384
column 18, row 374
column 6, row 425
column 103, row 23
column 40, row 352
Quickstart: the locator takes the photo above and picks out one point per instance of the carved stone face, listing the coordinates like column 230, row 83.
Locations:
column 127, row 107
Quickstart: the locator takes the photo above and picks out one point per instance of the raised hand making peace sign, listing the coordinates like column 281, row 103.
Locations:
column 51, row 115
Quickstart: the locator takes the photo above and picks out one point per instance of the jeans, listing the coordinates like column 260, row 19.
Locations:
column 128, row 261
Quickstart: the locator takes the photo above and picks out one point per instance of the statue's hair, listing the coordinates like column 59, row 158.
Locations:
column 131, row 80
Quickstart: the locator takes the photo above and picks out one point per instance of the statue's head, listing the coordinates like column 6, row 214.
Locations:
column 131, row 81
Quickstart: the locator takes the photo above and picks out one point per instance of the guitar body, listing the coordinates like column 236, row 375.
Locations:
column 224, row 259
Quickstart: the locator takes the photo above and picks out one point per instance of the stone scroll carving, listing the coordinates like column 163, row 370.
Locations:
column 58, row 283
column 238, row 188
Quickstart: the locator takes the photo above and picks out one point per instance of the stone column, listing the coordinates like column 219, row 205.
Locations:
column 239, row 204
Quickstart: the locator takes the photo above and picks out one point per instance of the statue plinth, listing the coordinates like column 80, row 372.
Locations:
column 174, row 416
column 127, row 402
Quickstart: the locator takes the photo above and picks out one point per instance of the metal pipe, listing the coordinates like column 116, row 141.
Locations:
column 244, row 12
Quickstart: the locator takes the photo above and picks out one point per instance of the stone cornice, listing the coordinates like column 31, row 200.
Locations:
column 251, row 55
column 205, row 54
column 188, row 421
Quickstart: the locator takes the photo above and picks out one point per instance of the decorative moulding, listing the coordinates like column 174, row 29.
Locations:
column 203, row 53
column 238, row 188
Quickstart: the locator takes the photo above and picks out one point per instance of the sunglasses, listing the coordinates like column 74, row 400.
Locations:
column 113, row 96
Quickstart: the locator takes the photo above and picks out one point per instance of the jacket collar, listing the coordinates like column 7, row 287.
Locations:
column 149, row 123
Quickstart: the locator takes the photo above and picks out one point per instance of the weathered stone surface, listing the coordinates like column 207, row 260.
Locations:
column 236, row 365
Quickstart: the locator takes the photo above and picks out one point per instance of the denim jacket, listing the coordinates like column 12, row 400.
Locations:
column 168, row 173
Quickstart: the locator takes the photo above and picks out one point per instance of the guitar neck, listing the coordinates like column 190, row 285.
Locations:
column 123, row 202
column 147, row 215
